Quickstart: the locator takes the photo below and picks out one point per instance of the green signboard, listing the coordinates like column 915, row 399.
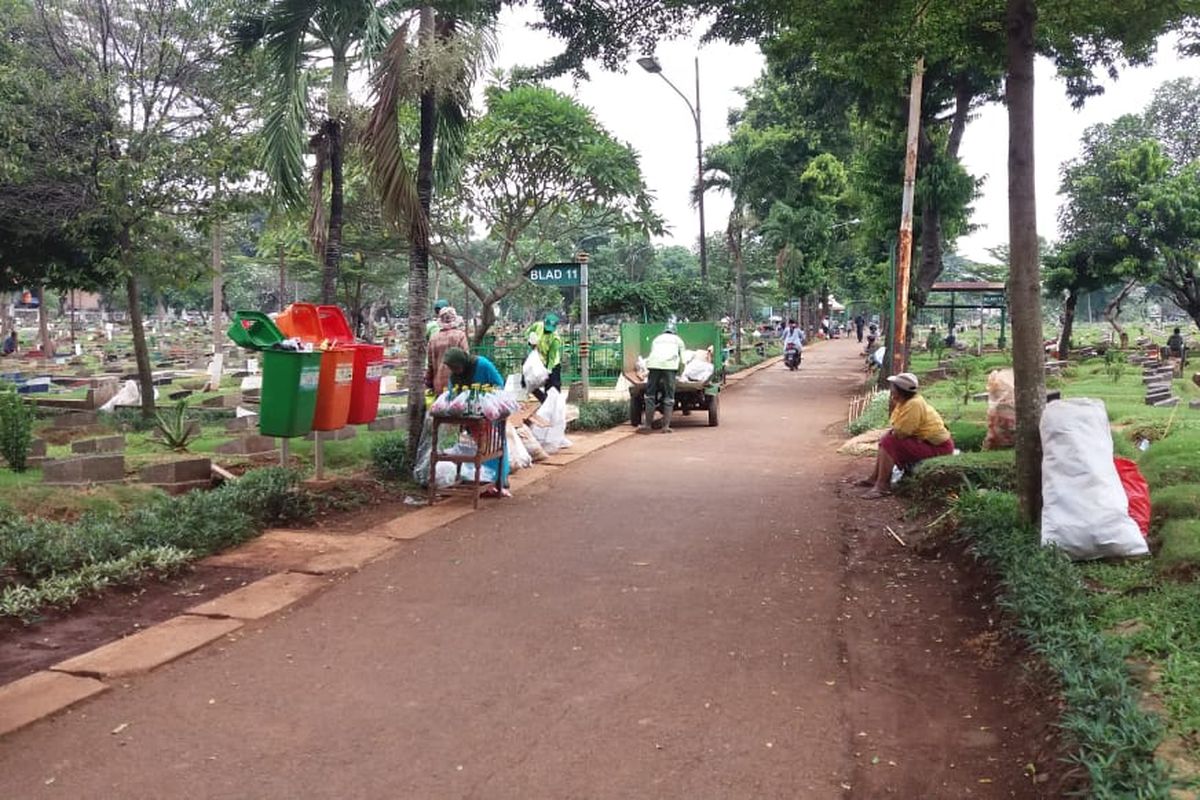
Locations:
column 564, row 274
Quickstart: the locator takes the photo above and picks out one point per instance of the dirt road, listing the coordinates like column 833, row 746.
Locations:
column 703, row 615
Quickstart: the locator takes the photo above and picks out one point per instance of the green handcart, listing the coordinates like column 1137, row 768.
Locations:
column 689, row 396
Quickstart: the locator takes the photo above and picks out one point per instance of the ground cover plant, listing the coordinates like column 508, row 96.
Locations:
column 600, row 415
column 45, row 562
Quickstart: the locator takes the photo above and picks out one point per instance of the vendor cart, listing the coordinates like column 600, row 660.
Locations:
column 689, row 396
column 490, row 442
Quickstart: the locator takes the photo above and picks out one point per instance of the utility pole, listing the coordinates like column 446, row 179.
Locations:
column 899, row 338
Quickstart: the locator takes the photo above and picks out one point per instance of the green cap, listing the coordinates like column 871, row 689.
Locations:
column 550, row 325
column 440, row 303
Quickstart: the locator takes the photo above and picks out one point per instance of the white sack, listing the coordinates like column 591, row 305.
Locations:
column 553, row 412
column 698, row 371
column 130, row 395
column 535, row 371
column 1085, row 510
column 518, row 454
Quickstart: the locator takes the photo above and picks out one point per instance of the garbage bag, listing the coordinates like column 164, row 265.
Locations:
column 1085, row 511
column 447, row 473
column 698, row 371
column 532, row 445
column 518, row 453
column 534, row 371
column 551, row 422
column 1002, row 410
column 1137, row 491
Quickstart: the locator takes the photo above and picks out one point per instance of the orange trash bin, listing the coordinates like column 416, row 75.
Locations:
column 301, row 320
column 368, row 365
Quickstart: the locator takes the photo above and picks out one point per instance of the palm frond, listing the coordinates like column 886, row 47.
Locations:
column 384, row 146
column 286, row 29
column 453, row 127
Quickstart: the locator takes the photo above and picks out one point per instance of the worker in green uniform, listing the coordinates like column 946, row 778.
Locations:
column 665, row 362
column 544, row 336
column 433, row 326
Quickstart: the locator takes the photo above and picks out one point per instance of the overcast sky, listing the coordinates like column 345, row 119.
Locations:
column 641, row 109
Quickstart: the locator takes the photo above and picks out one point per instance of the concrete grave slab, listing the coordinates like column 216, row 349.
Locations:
column 394, row 422
column 83, row 470
column 179, row 477
column 153, row 647
column 101, row 444
column 304, row 552
column 238, row 424
column 247, row 446
column 262, row 598
column 341, row 434
column 41, row 694
column 76, row 419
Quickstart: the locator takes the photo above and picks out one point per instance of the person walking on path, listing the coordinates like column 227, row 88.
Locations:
column 549, row 346
column 433, row 326
column 859, row 323
column 466, row 371
column 449, row 335
column 665, row 363
column 917, row 433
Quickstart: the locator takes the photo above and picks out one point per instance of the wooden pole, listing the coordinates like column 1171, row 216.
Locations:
column 904, row 266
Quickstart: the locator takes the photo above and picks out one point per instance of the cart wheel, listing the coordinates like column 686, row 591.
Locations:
column 714, row 406
column 636, row 409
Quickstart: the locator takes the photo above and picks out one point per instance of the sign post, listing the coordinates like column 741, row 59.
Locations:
column 585, row 355
column 571, row 273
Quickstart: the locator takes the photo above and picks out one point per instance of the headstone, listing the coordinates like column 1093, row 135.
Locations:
column 394, row 422
column 238, row 424
column 177, row 477
column 387, row 384
column 252, row 383
column 1194, row 404
column 75, row 419
column 1167, row 402
column 101, row 444
column 83, row 470
column 180, row 394
column 247, row 446
column 223, row 401
column 348, row 432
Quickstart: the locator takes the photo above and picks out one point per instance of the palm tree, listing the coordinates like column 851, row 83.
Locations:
column 298, row 36
column 435, row 70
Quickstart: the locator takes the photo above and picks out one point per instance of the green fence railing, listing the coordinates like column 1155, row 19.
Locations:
column 604, row 370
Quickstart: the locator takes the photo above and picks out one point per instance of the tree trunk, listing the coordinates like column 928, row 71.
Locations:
column 487, row 318
column 1068, row 327
column 218, row 290
column 46, row 343
column 734, row 235
column 1112, row 312
column 1024, row 287
column 137, row 326
column 333, row 241
column 418, row 274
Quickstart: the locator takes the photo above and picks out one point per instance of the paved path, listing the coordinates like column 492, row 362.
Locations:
column 661, row 619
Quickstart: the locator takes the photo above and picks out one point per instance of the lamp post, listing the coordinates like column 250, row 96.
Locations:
column 651, row 65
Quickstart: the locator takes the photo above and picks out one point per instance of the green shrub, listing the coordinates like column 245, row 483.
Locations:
column 389, row 457
column 1180, row 544
column 16, row 430
column 936, row 478
column 1172, row 460
column 600, row 415
column 1046, row 596
column 1175, row 502
column 270, row 496
column 968, row 436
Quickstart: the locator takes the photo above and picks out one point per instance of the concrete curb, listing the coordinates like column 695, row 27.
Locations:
column 304, row 560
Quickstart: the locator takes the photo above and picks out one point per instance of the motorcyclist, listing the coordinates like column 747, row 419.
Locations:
column 793, row 337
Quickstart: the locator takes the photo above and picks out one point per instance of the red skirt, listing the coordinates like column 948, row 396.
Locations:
column 906, row 451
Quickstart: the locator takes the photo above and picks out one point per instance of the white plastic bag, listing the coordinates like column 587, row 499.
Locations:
column 512, row 386
column 518, row 454
column 1002, row 410
column 697, row 371
column 535, row 371
column 531, row 443
column 1085, row 509
column 550, row 427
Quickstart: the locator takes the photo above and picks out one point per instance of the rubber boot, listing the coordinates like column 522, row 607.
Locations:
column 648, row 419
column 667, row 419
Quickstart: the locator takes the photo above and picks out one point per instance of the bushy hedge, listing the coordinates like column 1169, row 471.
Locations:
column 34, row 551
column 389, row 457
column 600, row 415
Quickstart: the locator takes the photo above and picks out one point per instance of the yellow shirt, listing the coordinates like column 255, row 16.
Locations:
column 916, row 419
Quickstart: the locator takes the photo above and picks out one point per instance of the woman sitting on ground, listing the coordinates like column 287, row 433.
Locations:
column 917, row 433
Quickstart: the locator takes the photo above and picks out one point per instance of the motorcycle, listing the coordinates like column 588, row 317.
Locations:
column 791, row 356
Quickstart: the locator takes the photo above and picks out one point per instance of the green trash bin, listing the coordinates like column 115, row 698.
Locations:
column 290, row 377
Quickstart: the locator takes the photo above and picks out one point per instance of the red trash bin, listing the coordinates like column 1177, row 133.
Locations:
column 368, row 365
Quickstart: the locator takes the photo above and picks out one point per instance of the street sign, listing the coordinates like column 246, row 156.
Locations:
column 563, row 274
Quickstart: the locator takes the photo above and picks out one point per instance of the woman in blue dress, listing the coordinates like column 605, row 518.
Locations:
column 466, row 370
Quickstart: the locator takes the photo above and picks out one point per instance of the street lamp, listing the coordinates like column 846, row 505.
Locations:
column 651, row 65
